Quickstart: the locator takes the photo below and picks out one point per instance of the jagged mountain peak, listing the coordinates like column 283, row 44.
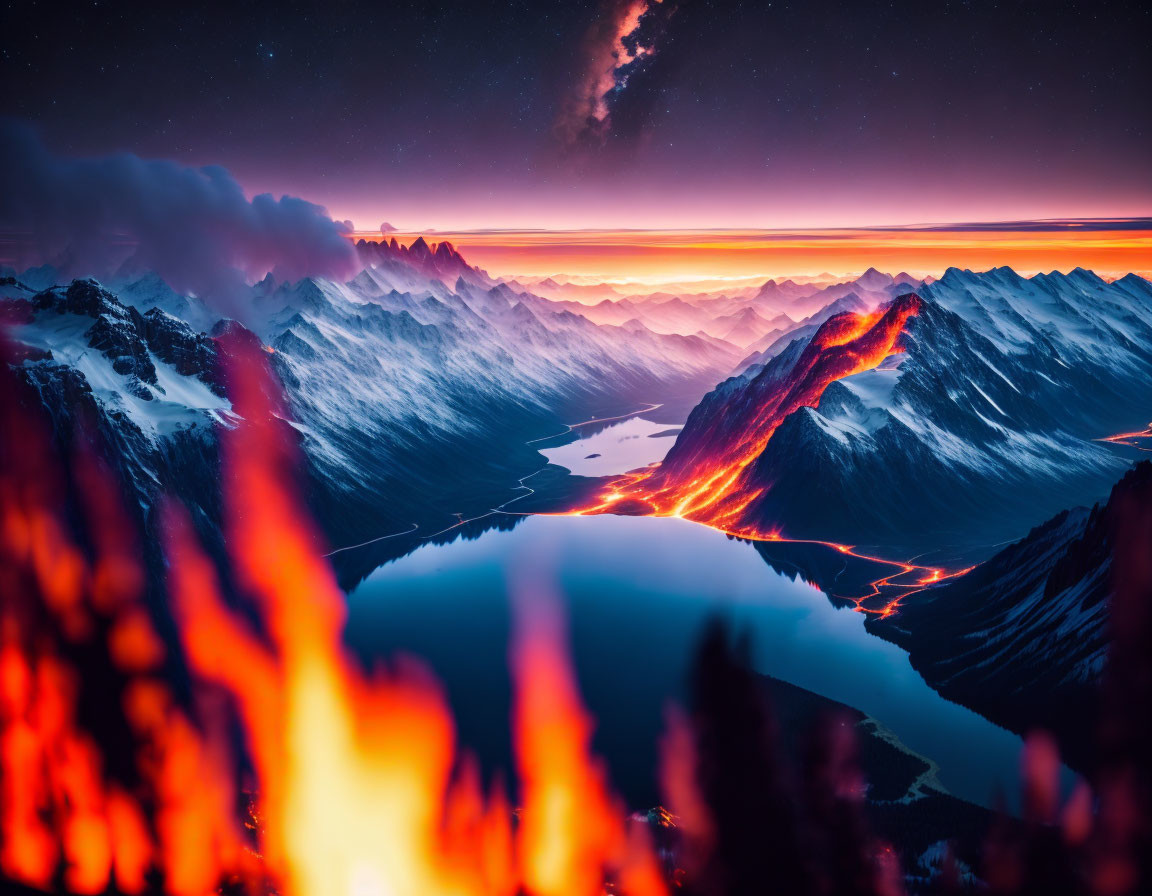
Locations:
column 980, row 407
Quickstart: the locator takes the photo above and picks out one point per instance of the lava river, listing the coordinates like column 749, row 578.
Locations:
column 709, row 475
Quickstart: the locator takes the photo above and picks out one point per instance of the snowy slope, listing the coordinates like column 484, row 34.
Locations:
column 413, row 387
column 985, row 422
column 1023, row 638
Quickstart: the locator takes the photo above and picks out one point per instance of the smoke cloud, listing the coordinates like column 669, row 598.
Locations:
column 192, row 226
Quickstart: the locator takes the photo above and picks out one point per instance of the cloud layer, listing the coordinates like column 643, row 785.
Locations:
column 192, row 226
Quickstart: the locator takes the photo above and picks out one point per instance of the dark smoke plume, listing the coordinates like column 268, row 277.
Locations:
column 192, row 226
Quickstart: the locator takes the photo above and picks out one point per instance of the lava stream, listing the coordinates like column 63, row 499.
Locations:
column 1131, row 439
column 708, row 480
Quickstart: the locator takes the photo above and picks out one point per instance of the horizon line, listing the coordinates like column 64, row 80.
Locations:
column 1081, row 224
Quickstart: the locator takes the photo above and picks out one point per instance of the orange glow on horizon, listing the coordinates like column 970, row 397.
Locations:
column 657, row 256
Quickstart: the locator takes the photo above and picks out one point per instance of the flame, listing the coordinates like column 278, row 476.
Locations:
column 572, row 828
column 360, row 787
column 356, row 772
column 60, row 810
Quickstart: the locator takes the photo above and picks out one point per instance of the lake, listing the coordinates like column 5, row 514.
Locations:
column 637, row 592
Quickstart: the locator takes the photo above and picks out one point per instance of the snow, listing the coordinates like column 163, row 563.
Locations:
column 842, row 429
column 1079, row 314
column 187, row 391
column 179, row 402
column 412, row 361
column 875, row 387
column 988, row 399
column 994, row 369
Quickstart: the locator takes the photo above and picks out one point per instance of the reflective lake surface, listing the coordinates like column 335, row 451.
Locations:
column 620, row 447
column 637, row 592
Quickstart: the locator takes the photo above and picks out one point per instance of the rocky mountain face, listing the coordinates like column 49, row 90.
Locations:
column 983, row 420
column 1023, row 638
column 409, row 263
column 144, row 390
column 123, row 354
column 411, row 397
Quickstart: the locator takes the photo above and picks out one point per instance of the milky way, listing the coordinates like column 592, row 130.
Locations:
column 613, row 48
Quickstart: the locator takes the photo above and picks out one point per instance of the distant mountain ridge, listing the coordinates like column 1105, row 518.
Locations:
column 750, row 319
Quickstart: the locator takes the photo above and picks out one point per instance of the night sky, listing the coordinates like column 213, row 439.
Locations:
column 730, row 114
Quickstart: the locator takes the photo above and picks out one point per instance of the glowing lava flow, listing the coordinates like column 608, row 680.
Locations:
column 1131, row 439
column 707, row 478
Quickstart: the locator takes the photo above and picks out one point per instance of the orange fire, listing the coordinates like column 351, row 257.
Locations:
column 360, row 787
column 572, row 827
column 64, row 820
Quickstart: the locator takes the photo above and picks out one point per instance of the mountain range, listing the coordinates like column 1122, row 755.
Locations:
column 880, row 410
column 392, row 378
column 984, row 417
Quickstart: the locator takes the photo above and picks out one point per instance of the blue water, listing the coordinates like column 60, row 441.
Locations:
column 635, row 442
column 637, row 592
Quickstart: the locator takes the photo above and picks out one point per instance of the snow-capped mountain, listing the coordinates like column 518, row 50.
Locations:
column 1023, row 638
column 983, row 420
column 399, row 384
column 775, row 341
column 150, row 368
column 871, row 288
column 391, row 389
column 751, row 318
column 144, row 389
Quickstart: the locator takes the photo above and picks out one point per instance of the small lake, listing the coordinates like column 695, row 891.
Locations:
column 618, row 448
column 638, row 591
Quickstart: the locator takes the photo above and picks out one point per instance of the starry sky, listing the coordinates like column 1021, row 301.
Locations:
column 611, row 113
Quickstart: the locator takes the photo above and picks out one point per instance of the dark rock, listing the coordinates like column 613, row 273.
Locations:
column 189, row 352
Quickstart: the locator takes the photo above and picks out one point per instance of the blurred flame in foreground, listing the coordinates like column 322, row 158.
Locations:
column 63, row 821
column 112, row 778
column 572, row 826
column 360, row 786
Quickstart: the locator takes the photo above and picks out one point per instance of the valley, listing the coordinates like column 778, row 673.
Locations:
column 830, row 500
column 598, row 448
